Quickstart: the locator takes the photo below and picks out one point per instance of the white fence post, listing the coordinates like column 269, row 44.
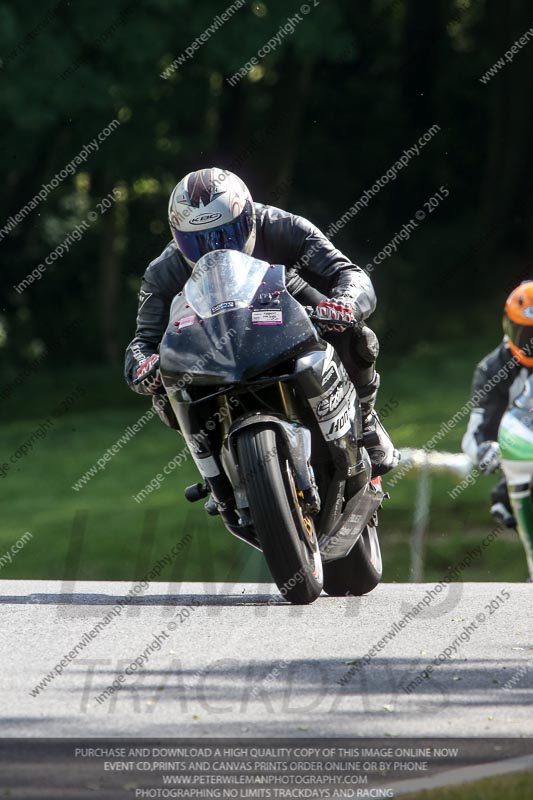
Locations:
column 420, row 524
column 456, row 463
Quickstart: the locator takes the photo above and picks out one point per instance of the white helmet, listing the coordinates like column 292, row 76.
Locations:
column 211, row 209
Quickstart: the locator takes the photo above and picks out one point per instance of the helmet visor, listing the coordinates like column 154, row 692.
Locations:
column 520, row 335
column 230, row 236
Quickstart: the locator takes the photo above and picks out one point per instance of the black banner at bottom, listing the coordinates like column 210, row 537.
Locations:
column 328, row 769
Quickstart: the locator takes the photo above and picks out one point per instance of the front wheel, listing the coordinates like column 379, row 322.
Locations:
column 287, row 535
column 360, row 571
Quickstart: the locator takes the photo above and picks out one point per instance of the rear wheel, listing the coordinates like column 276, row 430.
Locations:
column 287, row 535
column 360, row 571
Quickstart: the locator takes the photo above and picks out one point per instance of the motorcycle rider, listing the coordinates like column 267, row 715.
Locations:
column 212, row 209
column 498, row 380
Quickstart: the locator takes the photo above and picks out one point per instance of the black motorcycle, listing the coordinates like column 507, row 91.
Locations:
column 274, row 425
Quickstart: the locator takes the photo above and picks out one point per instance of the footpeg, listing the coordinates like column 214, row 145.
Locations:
column 198, row 491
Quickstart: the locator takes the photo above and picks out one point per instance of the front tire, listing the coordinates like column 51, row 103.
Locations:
column 360, row 571
column 281, row 526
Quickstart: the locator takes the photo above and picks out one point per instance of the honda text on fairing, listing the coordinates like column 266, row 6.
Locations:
column 274, row 425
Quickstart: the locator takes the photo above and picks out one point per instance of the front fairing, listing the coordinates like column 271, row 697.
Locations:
column 515, row 435
column 233, row 322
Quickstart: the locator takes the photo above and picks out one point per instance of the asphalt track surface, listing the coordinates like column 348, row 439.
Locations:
column 235, row 660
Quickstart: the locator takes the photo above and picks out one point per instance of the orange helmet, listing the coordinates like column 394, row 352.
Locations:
column 518, row 323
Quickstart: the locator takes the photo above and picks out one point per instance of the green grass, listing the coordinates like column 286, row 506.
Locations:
column 116, row 538
column 100, row 532
column 510, row 787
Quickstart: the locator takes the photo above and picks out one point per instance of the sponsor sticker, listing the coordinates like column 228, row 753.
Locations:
column 335, row 411
column 272, row 316
column 331, row 374
column 330, row 403
column 185, row 322
column 223, row 306
column 205, row 219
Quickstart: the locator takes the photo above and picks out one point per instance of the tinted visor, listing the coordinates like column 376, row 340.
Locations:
column 231, row 236
column 520, row 335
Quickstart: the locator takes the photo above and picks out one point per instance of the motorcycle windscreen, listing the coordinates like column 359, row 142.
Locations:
column 223, row 280
column 233, row 321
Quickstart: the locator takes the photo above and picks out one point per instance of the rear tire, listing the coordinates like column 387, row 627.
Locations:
column 278, row 520
column 360, row 571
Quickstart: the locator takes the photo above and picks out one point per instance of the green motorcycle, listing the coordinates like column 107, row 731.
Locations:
column 515, row 437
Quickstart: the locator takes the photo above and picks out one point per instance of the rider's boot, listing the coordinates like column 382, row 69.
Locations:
column 377, row 442
column 501, row 505
column 358, row 350
column 503, row 515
